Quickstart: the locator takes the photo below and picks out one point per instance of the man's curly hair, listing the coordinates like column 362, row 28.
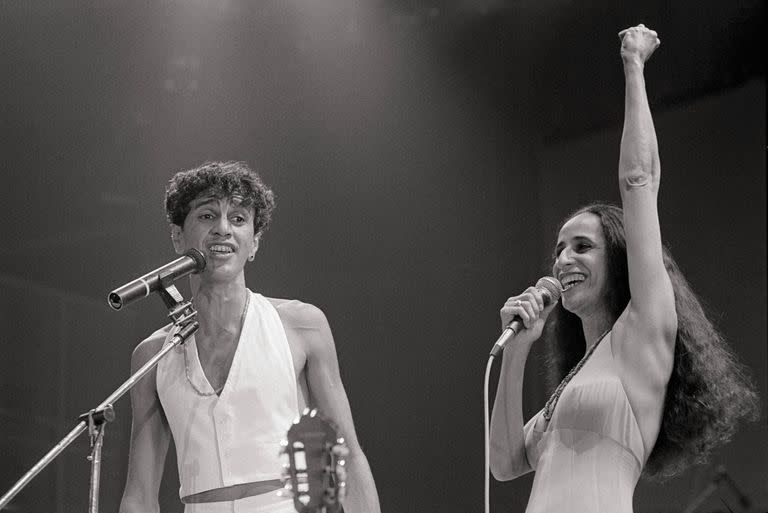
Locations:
column 221, row 180
column 709, row 390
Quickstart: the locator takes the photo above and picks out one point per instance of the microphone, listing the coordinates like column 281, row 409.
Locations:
column 723, row 476
column 550, row 290
column 193, row 261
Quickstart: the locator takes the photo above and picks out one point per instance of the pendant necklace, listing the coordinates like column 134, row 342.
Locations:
column 549, row 407
column 186, row 358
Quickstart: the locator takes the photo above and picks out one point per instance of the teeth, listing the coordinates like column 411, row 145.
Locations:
column 220, row 249
column 571, row 280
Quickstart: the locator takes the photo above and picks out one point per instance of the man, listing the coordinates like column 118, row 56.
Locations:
column 231, row 392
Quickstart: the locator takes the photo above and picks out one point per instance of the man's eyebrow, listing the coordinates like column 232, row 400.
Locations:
column 200, row 202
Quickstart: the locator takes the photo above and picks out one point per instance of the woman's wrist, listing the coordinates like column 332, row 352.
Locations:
column 518, row 346
column 632, row 64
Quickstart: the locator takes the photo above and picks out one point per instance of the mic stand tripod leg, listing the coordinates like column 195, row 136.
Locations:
column 95, row 457
column 181, row 336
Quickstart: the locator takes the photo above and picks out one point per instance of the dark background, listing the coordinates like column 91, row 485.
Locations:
column 422, row 154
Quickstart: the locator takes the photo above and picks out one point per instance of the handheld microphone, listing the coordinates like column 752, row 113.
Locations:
column 193, row 261
column 550, row 290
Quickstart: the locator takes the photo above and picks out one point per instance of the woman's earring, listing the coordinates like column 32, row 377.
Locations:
column 252, row 258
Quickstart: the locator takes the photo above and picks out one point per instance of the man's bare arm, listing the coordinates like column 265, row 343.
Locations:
column 150, row 437
column 326, row 392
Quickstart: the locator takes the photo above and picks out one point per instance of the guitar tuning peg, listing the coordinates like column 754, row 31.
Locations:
column 286, row 491
column 341, row 473
column 342, row 493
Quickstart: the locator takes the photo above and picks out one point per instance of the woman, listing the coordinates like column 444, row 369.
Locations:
column 635, row 355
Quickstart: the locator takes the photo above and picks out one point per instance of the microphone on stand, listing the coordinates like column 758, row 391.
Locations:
column 193, row 261
column 722, row 476
column 551, row 290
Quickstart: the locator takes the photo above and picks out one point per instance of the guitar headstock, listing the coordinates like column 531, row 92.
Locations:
column 314, row 473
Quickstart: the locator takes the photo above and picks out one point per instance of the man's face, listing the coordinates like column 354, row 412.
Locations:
column 222, row 229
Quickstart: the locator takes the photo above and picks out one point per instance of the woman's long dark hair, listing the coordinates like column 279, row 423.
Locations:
column 709, row 390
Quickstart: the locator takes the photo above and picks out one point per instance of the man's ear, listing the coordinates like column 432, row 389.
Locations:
column 177, row 237
column 256, row 239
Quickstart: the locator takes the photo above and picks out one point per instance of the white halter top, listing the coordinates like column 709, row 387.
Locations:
column 590, row 456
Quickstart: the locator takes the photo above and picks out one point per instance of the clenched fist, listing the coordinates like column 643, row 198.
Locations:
column 638, row 43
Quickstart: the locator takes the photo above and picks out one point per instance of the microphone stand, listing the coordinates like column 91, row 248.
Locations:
column 720, row 477
column 183, row 315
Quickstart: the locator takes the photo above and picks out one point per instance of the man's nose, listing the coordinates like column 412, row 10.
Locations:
column 223, row 226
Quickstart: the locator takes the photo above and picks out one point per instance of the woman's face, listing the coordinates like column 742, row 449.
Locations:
column 581, row 266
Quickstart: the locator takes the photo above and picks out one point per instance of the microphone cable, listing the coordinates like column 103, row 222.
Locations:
column 486, row 435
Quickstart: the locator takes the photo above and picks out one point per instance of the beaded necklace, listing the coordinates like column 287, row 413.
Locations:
column 549, row 407
column 186, row 359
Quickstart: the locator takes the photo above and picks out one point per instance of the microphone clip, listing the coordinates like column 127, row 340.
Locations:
column 180, row 311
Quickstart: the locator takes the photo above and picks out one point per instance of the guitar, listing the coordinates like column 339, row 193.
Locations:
column 314, row 473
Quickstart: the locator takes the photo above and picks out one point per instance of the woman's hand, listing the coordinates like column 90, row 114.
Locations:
column 529, row 307
column 637, row 44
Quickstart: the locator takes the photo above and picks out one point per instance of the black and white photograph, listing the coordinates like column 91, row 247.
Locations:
column 401, row 256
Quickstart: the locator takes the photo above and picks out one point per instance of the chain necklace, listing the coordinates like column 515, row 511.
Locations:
column 186, row 359
column 549, row 407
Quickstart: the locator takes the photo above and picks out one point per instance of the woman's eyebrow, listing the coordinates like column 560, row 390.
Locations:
column 575, row 238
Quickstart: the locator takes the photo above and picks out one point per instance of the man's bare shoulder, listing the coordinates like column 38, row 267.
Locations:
column 296, row 314
column 149, row 347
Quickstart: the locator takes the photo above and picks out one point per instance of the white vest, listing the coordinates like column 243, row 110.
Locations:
column 233, row 438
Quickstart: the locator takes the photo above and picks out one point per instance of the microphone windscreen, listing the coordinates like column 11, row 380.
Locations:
column 198, row 257
column 552, row 287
